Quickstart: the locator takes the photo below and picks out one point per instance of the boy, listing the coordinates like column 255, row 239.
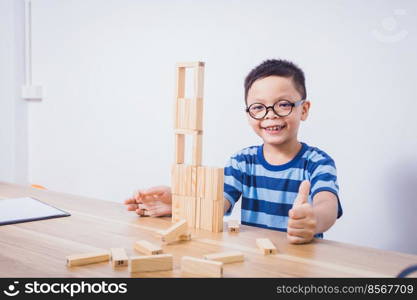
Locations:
column 269, row 176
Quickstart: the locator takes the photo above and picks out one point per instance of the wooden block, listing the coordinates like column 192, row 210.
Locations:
column 190, row 64
column 180, row 87
column 147, row 248
column 171, row 234
column 266, row 246
column 180, row 114
column 197, row 149
column 187, row 131
column 190, row 210
column 151, row 263
column 187, row 113
column 218, row 214
column 184, row 180
column 226, row 257
column 201, row 267
column 194, row 174
column 174, row 179
column 206, row 218
column 199, row 82
column 198, row 213
column 199, row 114
column 201, row 180
column 119, row 257
column 233, row 225
column 87, row 258
column 176, row 208
column 179, row 148
column 210, row 183
column 175, row 114
column 188, row 180
column 185, row 237
column 196, row 114
column 218, row 183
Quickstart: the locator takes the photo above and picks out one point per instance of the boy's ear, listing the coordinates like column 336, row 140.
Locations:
column 305, row 110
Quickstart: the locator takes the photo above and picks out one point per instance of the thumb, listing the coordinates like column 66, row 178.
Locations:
column 303, row 192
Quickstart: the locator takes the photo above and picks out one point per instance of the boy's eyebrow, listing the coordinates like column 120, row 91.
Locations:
column 284, row 97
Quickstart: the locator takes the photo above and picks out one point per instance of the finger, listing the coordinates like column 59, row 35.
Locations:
column 296, row 239
column 301, row 212
column 132, row 207
column 296, row 223
column 297, row 232
column 142, row 206
column 141, row 212
column 130, row 201
column 303, row 192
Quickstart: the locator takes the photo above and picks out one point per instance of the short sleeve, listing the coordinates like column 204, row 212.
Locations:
column 324, row 178
column 233, row 178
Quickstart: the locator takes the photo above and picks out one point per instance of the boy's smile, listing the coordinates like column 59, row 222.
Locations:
column 273, row 129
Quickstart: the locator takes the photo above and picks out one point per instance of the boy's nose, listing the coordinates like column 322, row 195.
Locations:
column 270, row 114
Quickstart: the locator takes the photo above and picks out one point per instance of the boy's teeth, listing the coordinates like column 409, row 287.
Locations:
column 274, row 128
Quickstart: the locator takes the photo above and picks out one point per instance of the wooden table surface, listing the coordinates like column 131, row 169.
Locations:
column 38, row 249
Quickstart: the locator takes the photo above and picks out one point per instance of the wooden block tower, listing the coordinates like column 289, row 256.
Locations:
column 197, row 191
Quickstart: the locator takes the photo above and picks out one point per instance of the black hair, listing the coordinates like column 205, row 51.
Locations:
column 277, row 67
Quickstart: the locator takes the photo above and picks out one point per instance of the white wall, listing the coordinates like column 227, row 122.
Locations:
column 13, row 110
column 107, row 67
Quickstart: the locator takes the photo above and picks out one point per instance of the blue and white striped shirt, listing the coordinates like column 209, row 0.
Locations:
column 268, row 191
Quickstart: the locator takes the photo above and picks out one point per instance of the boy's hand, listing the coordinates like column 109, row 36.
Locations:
column 154, row 202
column 302, row 223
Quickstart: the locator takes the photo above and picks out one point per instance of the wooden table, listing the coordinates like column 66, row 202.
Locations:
column 38, row 249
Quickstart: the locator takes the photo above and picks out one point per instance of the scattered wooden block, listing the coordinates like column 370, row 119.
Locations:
column 119, row 257
column 266, row 246
column 185, row 237
column 147, row 248
column 226, row 257
column 201, row 267
column 151, row 263
column 87, row 258
column 233, row 225
column 174, row 232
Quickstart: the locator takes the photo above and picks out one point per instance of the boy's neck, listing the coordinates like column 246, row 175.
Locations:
column 281, row 154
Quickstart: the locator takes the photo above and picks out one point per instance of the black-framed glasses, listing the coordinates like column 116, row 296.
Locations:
column 281, row 108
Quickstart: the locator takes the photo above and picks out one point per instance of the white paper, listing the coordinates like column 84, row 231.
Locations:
column 26, row 209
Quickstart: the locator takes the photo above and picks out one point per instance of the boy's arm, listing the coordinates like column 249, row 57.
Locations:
column 325, row 210
column 226, row 205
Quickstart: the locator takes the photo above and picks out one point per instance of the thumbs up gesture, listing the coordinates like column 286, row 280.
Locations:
column 302, row 221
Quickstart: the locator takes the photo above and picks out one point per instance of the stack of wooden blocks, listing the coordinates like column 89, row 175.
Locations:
column 197, row 191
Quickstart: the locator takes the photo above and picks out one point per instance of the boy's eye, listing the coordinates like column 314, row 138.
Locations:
column 257, row 107
column 284, row 104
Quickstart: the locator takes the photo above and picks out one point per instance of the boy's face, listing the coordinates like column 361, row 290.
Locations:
column 273, row 129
